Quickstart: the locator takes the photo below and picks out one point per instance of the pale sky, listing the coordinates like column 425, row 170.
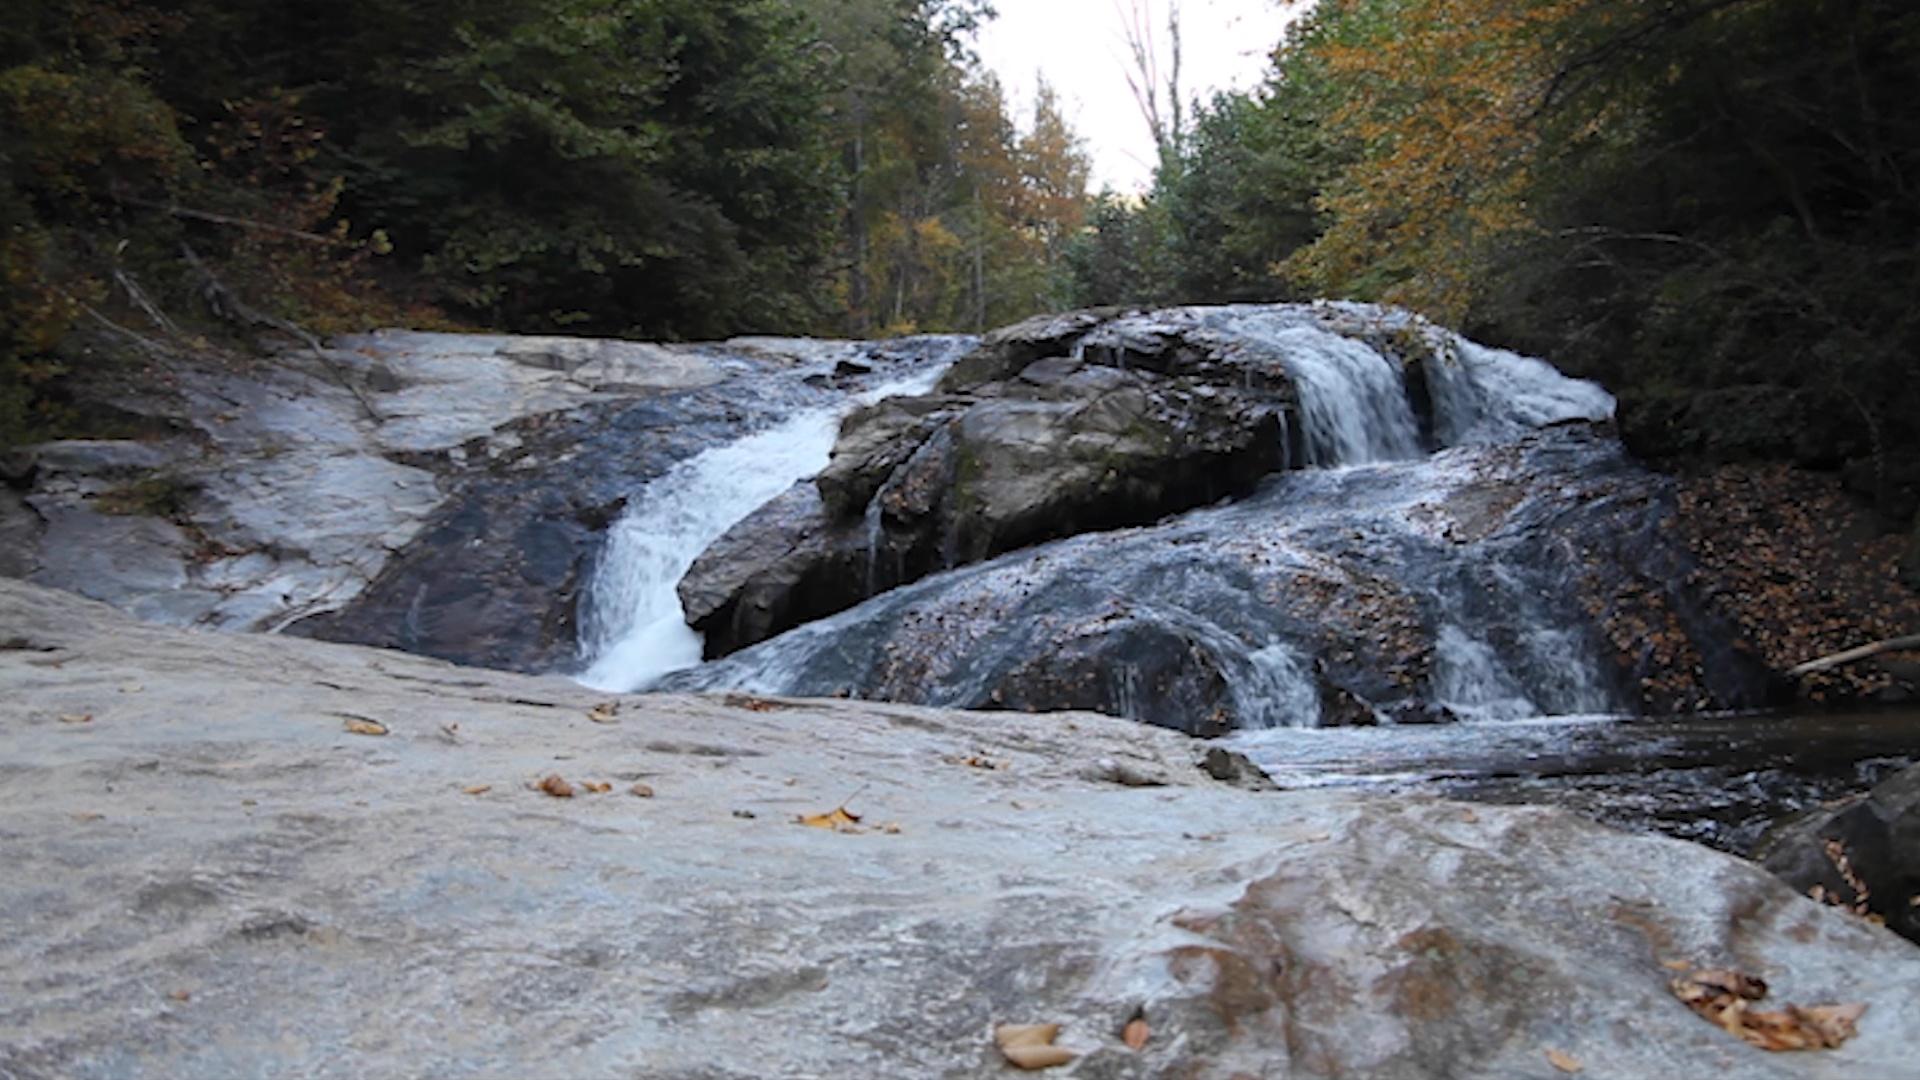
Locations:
column 1080, row 47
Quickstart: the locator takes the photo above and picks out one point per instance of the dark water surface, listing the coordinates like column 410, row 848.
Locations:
column 1717, row 779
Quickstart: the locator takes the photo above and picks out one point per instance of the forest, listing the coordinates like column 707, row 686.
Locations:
column 1706, row 204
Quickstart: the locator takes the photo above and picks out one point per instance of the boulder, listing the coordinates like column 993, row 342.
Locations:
column 216, row 876
column 1862, row 854
column 788, row 564
column 918, row 485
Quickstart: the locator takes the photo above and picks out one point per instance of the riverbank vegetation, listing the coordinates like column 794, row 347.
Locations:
column 650, row 168
column 1710, row 205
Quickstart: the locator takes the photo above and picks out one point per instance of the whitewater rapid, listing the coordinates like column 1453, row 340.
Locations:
column 634, row 629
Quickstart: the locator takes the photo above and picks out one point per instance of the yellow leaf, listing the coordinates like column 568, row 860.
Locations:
column 604, row 712
column 836, row 818
column 557, row 787
column 1030, row 1046
column 1563, row 1061
column 596, row 787
column 477, row 789
column 360, row 725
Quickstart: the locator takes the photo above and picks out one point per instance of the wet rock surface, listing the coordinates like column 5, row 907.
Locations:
column 442, row 493
column 211, row 876
column 1463, row 589
column 1861, row 853
column 1054, row 427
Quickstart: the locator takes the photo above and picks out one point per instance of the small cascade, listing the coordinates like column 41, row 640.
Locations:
column 633, row 629
column 1353, row 400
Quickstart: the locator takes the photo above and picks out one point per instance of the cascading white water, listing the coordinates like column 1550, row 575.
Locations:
column 1353, row 400
column 1491, row 395
column 1502, row 644
column 635, row 630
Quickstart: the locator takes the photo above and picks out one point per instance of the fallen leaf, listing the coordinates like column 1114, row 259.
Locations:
column 1030, row 1046
column 596, row 787
column 77, row 718
column 477, row 789
column 360, row 725
column 642, row 790
column 837, row 818
column 557, row 787
column 87, row 815
column 975, row 761
column 1675, row 965
column 1564, row 1061
column 751, row 703
column 891, row 828
column 1135, row 1034
column 604, row 712
column 1725, row 998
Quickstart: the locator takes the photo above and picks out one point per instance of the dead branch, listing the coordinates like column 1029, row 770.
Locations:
column 1825, row 663
column 226, row 305
column 236, row 222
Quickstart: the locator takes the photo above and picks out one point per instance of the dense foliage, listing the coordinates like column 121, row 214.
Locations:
column 1695, row 200
column 653, row 168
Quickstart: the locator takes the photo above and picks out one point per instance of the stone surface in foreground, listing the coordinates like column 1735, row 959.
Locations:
column 209, row 876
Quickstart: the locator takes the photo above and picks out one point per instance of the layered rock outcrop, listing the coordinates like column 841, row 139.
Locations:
column 1053, row 427
column 211, row 875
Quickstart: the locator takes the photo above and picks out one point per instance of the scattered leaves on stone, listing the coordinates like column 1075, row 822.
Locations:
column 557, row 787
column 360, row 725
column 604, row 713
column 838, row 819
column 1564, row 1062
column 1726, row 998
column 751, row 703
column 1030, row 1046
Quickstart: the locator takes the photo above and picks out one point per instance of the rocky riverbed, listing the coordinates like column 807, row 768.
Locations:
column 212, row 873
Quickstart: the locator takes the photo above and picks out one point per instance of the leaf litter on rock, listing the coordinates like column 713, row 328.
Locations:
column 1725, row 998
column 1030, row 1046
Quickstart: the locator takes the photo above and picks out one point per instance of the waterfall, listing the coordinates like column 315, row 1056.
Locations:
column 1353, row 400
column 634, row 629
column 1255, row 592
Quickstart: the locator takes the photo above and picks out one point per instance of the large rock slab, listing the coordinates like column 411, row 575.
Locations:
column 1071, row 440
column 211, row 876
column 443, row 493
column 1501, row 582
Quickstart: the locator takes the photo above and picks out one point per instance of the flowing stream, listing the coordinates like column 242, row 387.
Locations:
column 1464, row 521
column 634, row 629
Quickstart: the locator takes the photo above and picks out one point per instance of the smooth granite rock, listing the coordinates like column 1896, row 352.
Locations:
column 210, row 875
